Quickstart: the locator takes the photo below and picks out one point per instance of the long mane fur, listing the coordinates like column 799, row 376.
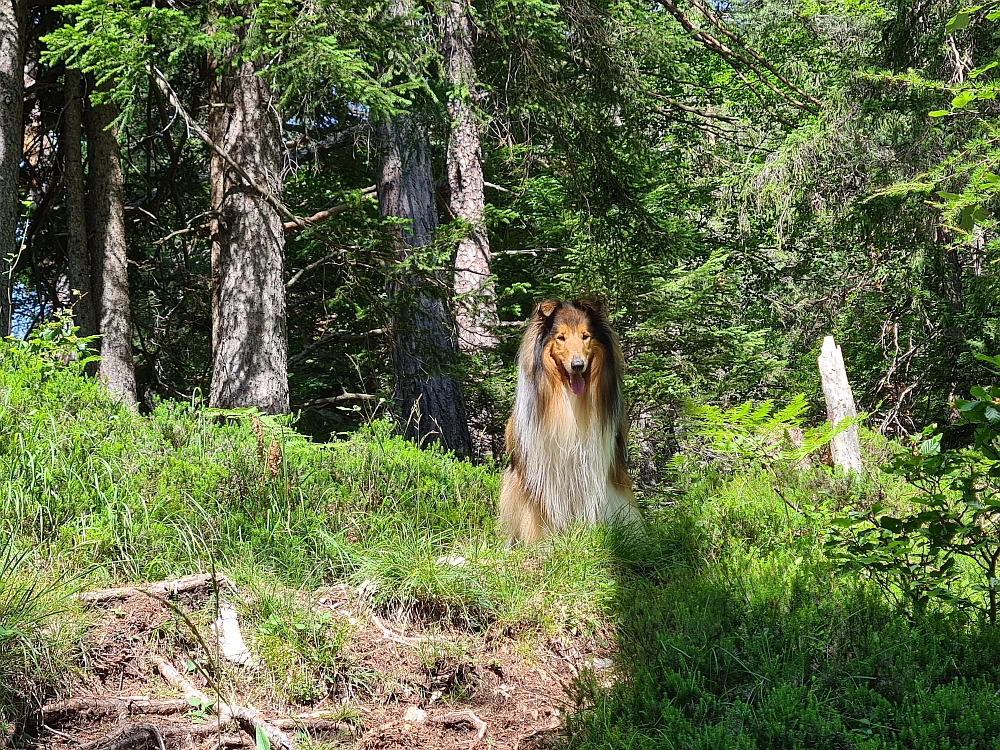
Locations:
column 567, row 452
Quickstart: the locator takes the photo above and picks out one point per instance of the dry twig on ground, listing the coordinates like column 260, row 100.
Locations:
column 249, row 719
column 459, row 717
column 159, row 588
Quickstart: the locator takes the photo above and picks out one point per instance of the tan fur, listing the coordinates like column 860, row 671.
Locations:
column 566, row 450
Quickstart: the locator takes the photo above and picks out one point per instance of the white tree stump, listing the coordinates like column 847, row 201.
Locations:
column 845, row 448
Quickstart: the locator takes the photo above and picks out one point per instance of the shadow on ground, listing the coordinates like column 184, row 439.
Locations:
column 735, row 632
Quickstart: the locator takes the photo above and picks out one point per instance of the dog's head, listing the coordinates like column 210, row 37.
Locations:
column 571, row 342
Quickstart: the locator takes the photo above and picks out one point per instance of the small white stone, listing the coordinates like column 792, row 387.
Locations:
column 455, row 561
column 415, row 715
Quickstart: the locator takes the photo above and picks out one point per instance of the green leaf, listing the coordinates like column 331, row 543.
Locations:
column 979, row 71
column 263, row 742
column 939, row 113
column 931, row 447
column 960, row 101
column 995, row 361
column 958, row 22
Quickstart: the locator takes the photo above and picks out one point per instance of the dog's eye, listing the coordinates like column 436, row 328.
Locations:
column 585, row 336
column 560, row 337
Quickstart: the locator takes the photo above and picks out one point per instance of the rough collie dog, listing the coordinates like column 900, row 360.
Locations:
column 566, row 436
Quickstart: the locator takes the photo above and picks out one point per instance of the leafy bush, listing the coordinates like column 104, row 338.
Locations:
column 943, row 543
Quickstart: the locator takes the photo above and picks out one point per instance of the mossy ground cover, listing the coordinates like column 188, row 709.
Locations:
column 730, row 626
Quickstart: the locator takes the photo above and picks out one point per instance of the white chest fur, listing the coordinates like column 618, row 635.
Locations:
column 567, row 457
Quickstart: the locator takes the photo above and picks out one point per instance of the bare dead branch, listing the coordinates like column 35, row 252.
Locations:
column 164, row 85
column 316, row 218
column 53, row 712
column 159, row 588
column 339, row 337
column 132, row 735
column 179, row 232
column 314, row 724
column 734, row 59
column 460, row 717
column 342, row 398
column 717, row 22
column 250, row 719
column 500, row 188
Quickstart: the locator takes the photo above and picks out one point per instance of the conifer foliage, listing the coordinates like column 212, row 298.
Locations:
column 736, row 181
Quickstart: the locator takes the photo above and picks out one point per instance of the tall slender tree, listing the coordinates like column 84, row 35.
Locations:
column 427, row 396
column 78, row 255
column 249, row 348
column 475, row 311
column 13, row 21
column 106, row 210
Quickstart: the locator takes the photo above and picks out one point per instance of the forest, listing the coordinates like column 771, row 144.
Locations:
column 265, row 267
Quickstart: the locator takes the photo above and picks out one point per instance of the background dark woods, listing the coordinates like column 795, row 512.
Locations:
column 320, row 178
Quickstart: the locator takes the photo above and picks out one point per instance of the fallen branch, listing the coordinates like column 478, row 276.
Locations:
column 463, row 717
column 250, row 719
column 159, row 588
column 52, row 712
column 64, row 735
column 536, row 734
column 313, row 723
column 139, row 734
column 391, row 635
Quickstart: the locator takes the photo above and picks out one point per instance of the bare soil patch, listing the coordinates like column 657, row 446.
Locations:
column 408, row 684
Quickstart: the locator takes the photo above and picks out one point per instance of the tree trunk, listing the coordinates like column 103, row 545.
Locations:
column 428, row 399
column 13, row 20
column 475, row 312
column 76, row 244
column 845, row 448
column 249, row 348
column 105, row 193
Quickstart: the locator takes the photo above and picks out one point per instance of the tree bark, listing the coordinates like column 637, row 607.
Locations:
column 78, row 255
column 13, row 21
column 249, row 347
column 475, row 310
column 428, row 399
column 105, row 194
column 845, row 448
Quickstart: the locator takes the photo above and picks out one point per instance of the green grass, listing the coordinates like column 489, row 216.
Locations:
column 36, row 637
column 734, row 629
column 91, row 488
column 736, row 632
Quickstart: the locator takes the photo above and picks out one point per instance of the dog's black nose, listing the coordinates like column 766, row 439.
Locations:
column 577, row 364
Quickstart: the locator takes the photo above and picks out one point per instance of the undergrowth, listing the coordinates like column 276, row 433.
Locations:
column 89, row 487
column 735, row 630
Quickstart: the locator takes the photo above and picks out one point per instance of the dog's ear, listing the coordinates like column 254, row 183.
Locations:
column 593, row 306
column 546, row 308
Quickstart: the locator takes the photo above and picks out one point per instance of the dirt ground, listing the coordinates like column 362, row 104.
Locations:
column 425, row 681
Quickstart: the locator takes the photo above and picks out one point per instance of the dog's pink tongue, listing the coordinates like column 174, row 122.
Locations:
column 577, row 383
